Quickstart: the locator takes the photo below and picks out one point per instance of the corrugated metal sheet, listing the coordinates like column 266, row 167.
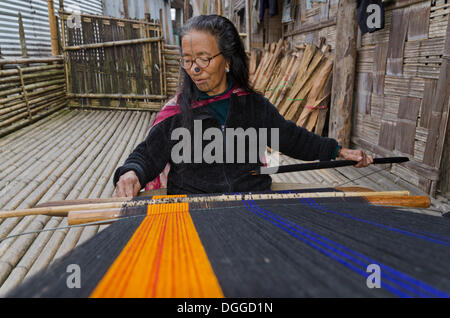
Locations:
column 35, row 20
column 136, row 9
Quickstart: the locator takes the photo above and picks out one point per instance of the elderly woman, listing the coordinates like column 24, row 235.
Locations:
column 216, row 93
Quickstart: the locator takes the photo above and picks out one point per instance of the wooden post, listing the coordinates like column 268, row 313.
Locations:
column 230, row 9
column 53, row 28
column 61, row 5
column 343, row 73
column 187, row 11
column 441, row 106
column 248, row 24
column 23, row 43
column 219, row 7
column 167, row 20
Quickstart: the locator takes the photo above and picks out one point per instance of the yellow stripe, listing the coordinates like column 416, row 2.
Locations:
column 163, row 258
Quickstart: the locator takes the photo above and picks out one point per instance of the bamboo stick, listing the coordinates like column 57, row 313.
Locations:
column 65, row 15
column 30, row 69
column 112, row 44
column 116, row 96
column 23, row 42
column 31, row 60
column 24, row 91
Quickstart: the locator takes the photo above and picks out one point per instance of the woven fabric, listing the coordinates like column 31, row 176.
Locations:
column 321, row 247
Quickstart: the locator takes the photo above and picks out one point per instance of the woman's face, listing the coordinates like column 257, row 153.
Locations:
column 211, row 79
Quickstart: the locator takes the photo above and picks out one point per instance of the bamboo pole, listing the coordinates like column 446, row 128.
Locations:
column 64, row 210
column 116, row 96
column 23, row 43
column 29, row 69
column 53, row 28
column 187, row 11
column 112, row 44
column 24, row 91
column 64, row 15
column 31, row 60
column 248, row 24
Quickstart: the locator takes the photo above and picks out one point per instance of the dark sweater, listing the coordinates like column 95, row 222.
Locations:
column 246, row 111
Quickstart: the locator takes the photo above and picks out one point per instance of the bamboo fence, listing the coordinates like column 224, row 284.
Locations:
column 30, row 89
column 114, row 63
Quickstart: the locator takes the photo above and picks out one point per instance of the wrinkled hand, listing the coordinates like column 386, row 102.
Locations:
column 360, row 156
column 128, row 185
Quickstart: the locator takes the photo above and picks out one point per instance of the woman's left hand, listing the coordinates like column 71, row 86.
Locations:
column 360, row 156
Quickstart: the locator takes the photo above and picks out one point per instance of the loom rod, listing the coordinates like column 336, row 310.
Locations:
column 323, row 165
column 64, row 209
column 88, row 216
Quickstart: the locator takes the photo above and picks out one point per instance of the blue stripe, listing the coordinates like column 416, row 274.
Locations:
column 410, row 280
column 390, row 228
column 338, row 259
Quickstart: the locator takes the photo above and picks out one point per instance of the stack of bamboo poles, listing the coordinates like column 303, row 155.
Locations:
column 297, row 81
column 30, row 89
column 171, row 56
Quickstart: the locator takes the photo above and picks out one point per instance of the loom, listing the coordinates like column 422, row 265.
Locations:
column 291, row 243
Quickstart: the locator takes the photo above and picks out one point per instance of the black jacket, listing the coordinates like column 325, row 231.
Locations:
column 151, row 156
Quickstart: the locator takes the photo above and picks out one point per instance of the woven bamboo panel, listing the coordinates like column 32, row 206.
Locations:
column 399, row 91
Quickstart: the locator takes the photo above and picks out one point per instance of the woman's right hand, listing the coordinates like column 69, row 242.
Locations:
column 128, row 185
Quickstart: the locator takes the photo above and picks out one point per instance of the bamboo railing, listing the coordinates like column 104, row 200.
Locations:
column 30, row 89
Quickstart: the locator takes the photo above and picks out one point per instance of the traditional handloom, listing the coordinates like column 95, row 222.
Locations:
column 290, row 243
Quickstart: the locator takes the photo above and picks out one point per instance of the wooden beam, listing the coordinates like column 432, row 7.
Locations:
column 23, row 42
column 117, row 96
column 187, row 11
column 112, row 43
column 248, row 25
column 312, row 27
column 53, row 28
column 219, row 7
column 343, row 73
column 443, row 98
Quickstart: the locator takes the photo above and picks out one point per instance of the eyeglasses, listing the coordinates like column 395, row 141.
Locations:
column 202, row 62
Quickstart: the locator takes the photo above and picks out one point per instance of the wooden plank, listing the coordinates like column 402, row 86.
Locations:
column 363, row 92
column 440, row 110
column 398, row 31
column 419, row 20
column 387, row 130
column 379, row 67
column 343, row 73
column 409, row 108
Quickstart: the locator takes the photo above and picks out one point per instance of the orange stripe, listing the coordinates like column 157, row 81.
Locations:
column 163, row 258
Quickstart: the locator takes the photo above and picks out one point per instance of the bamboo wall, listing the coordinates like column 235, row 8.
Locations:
column 311, row 25
column 401, row 87
column 401, row 90
column 30, row 89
